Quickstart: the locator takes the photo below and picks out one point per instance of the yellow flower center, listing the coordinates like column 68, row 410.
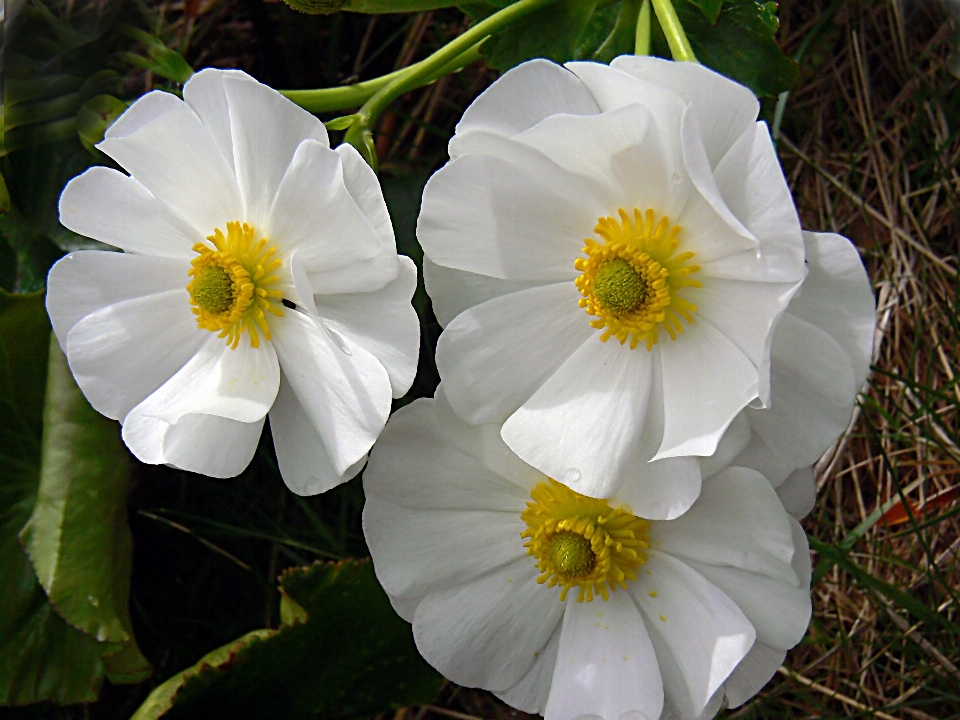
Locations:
column 582, row 542
column 230, row 285
column 630, row 282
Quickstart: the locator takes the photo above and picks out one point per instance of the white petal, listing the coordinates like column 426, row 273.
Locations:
column 707, row 380
column 724, row 109
column 705, row 631
column 658, row 489
column 738, row 522
column 494, row 356
column 111, row 207
column 606, row 667
column 488, row 632
column 418, row 552
column 613, row 89
column 812, row 393
column 545, row 89
column 207, row 444
column 662, row 489
column 145, row 110
column 735, row 439
column 316, row 216
column 342, row 387
column 531, row 692
column 363, row 276
column 798, row 492
column 423, row 460
column 177, row 159
column 405, row 607
column 522, row 218
column 753, row 672
column 83, row 282
column 753, row 186
column 610, row 148
column 746, row 313
column 779, row 612
column 266, row 129
column 383, row 322
column 122, row 353
column 218, row 391
column 720, row 231
column 837, row 298
column 453, row 291
column 596, row 399
column 204, row 92
column 483, row 443
column 365, row 190
column 304, row 464
column 759, row 456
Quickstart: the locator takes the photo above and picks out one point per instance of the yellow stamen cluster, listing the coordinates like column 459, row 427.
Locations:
column 630, row 281
column 229, row 286
column 582, row 542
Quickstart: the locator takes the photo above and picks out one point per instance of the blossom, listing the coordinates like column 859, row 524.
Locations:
column 259, row 275
column 820, row 358
column 610, row 249
column 570, row 606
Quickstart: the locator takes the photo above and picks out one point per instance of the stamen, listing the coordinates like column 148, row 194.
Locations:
column 630, row 282
column 581, row 542
column 228, row 285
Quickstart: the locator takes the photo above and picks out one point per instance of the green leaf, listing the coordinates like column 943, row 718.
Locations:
column 553, row 32
column 341, row 653
column 78, row 537
column 741, row 45
column 95, row 116
column 711, row 9
column 41, row 656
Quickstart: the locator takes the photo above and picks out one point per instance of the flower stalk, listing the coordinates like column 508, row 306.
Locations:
column 340, row 98
column 676, row 37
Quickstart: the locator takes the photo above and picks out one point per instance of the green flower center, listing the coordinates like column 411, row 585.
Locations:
column 212, row 289
column 619, row 287
column 571, row 554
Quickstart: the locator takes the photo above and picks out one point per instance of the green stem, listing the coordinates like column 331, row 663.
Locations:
column 642, row 45
column 676, row 38
column 415, row 76
column 350, row 96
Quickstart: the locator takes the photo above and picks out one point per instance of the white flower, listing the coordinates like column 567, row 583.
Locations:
column 820, row 359
column 260, row 274
column 640, row 203
column 477, row 550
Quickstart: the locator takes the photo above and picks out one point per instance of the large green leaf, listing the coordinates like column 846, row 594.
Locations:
column 340, row 653
column 78, row 537
column 734, row 37
column 552, row 32
column 741, row 44
column 41, row 656
column 48, row 424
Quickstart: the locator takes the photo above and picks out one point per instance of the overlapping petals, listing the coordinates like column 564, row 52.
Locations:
column 536, row 161
column 723, row 592
column 323, row 363
column 820, row 357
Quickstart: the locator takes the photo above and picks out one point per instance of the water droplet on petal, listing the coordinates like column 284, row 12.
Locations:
column 677, row 177
column 571, row 475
